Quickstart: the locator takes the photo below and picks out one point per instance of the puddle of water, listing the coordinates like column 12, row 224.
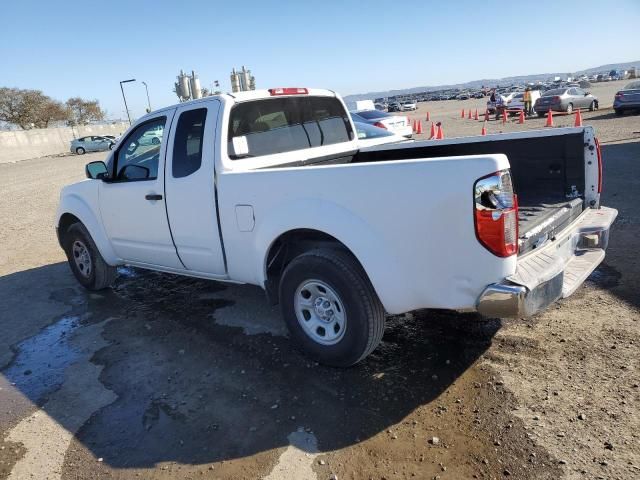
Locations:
column 127, row 272
column 41, row 361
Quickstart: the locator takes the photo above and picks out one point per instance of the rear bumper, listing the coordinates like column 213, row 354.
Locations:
column 553, row 272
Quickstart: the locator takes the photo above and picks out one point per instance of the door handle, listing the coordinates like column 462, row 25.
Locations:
column 153, row 196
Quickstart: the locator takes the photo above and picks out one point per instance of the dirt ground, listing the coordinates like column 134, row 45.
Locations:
column 167, row 377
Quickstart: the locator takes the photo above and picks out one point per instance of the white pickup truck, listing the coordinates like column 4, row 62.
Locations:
column 271, row 188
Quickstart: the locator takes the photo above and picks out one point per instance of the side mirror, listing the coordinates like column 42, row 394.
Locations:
column 240, row 147
column 96, row 171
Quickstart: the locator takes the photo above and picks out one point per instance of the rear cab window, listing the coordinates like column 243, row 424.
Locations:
column 286, row 124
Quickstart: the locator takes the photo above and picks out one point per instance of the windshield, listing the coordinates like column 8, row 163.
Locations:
column 553, row 93
column 372, row 114
column 369, row 131
column 632, row 86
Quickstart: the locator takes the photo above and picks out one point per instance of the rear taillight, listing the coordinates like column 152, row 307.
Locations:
column 555, row 99
column 599, row 154
column 496, row 214
column 619, row 95
column 408, row 121
column 288, row 91
column 379, row 125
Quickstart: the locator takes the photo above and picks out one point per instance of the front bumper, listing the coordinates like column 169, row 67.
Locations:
column 554, row 271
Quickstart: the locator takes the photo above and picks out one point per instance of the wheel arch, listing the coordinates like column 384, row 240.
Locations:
column 74, row 210
column 362, row 244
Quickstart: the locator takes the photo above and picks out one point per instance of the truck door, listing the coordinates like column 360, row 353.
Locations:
column 132, row 204
column 190, row 188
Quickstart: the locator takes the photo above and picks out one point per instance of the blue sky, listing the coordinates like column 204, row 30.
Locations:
column 84, row 48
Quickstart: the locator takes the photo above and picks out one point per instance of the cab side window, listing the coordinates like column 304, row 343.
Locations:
column 138, row 156
column 187, row 145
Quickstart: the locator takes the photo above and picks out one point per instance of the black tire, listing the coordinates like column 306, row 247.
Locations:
column 593, row 107
column 111, row 146
column 100, row 275
column 619, row 112
column 364, row 314
column 569, row 108
column 80, row 151
column 155, row 141
column 541, row 114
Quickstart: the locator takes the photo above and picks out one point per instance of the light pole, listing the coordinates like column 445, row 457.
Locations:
column 125, row 99
column 148, row 101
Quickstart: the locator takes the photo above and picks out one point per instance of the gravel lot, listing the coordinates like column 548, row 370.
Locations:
column 168, row 377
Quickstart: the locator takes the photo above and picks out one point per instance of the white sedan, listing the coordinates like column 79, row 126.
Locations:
column 409, row 106
column 369, row 136
column 397, row 124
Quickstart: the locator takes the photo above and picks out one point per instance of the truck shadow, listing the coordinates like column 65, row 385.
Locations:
column 194, row 391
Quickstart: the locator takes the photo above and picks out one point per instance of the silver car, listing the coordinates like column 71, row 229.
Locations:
column 92, row 143
column 565, row 99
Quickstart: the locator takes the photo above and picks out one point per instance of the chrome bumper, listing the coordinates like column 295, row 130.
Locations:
column 552, row 272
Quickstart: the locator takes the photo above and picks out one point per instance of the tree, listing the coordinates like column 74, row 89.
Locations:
column 81, row 112
column 29, row 108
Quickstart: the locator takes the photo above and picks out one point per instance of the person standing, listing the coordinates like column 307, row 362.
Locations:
column 526, row 98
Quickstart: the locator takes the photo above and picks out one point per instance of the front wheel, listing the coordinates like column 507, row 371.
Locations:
column 593, row 106
column 570, row 108
column 80, row 151
column 330, row 307
column 541, row 114
column 86, row 263
column 619, row 112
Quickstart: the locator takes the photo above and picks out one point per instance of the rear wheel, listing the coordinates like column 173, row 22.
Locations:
column 619, row 111
column 86, row 263
column 570, row 108
column 80, row 151
column 330, row 307
column 541, row 114
column 592, row 107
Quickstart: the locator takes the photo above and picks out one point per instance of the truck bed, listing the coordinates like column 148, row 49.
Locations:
column 547, row 169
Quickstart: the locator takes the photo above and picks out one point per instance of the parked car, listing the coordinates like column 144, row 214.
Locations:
column 565, row 100
column 92, row 143
column 380, row 106
column 409, row 106
column 394, row 107
column 369, row 136
column 517, row 103
column 394, row 123
column 628, row 98
column 284, row 198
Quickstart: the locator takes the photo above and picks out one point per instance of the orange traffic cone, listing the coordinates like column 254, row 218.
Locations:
column 549, row 119
column 428, row 117
column 432, row 134
column 484, row 128
column 475, row 117
column 578, row 119
column 521, row 118
column 440, row 134
column 419, row 130
column 462, row 114
column 469, row 117
column 504, row 116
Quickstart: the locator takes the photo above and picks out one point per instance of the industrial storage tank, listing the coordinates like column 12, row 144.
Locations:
column 183, row 89
column 196, row 91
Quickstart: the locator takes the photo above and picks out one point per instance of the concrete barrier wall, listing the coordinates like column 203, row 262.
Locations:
column 16, row 145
